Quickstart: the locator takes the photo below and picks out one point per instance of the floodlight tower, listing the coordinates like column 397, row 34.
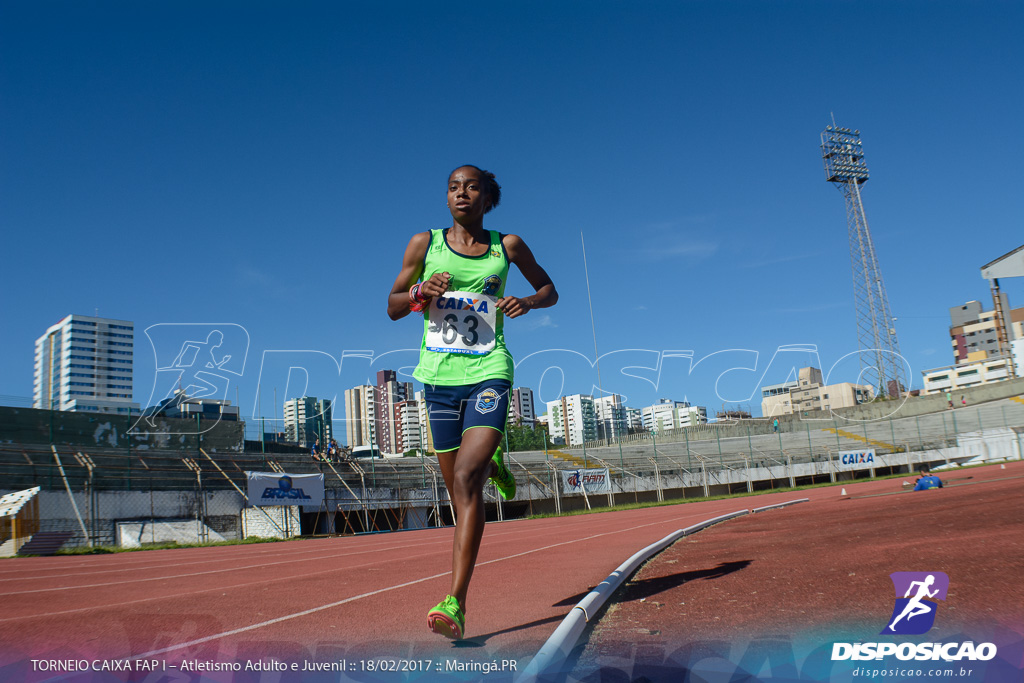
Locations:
column 880, row 360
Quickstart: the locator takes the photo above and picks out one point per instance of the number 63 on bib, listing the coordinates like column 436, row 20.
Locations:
column 462, row 322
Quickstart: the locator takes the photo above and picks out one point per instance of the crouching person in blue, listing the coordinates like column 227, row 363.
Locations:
column 928, row 481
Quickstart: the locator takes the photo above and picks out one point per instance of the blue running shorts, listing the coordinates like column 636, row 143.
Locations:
column 453, row 410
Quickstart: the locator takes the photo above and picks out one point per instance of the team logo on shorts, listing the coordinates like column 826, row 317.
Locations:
column 491, row 285
column 487, row 401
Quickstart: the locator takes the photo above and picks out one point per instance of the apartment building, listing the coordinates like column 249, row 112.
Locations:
column 84, row 363
column 308, row 419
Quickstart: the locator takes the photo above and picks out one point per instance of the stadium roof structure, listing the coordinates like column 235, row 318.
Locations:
column 12, row 503
column 1007, row 265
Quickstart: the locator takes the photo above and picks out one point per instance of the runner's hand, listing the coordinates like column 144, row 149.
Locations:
column 513, row 306
column 437, row 285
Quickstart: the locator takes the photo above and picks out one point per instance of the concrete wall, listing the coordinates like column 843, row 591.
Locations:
column 102, row 512
column 271, row 521
column 91, row 430
column 182, row 531
column 910, row 406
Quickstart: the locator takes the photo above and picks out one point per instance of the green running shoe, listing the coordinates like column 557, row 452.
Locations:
column 448, row 619
column 503, row 479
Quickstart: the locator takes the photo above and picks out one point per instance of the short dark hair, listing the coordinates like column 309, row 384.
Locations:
column 490, row 185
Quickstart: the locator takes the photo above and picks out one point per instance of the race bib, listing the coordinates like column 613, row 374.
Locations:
column 462, row 322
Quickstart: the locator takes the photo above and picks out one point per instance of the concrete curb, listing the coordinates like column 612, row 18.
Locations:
column 553, row 653
column 779, row 505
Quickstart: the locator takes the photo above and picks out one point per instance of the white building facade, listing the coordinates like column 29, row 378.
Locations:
column 407, row 426
column 634, row 420
column 610, row 415
column 307, row 420
column 662, row 415
column 360, row 416
column 691, row 416
column 966, row 375
column 84, row 363
column 572, row 420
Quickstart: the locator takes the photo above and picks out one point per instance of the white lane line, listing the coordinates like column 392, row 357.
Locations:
column 336, row 553
column 289, row 550
column 446, row 548
column 36, row 573
column 212, row 589
column 314, row 610
column 182, row 576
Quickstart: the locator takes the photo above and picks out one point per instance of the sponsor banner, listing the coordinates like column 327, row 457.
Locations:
column 593, row 481
column 862, row 458
column 273, row 488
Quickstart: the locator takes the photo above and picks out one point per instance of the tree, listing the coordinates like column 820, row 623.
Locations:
column 523, row 438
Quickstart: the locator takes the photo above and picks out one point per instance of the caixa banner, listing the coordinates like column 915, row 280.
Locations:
column 593, row 481
column 274, row 488
column 862, row 458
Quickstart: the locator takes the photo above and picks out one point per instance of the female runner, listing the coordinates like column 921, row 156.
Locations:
column 457, row 277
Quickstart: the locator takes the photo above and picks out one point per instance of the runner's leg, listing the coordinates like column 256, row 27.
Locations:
column 470, row 471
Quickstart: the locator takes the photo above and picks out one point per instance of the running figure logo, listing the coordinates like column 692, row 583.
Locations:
column 914, row 612
column 194, row 360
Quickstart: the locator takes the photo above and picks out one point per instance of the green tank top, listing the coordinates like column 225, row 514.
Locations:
column 485, row 274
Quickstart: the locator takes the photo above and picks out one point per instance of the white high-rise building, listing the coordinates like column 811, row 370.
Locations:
column 663, row 415
column 634, row 420
column 307, row 420
column 408, row 435
column 691, row 416
column 360, row 416
column 572, row 419
column 84, row 363
column 611, row 417
column 426, row 441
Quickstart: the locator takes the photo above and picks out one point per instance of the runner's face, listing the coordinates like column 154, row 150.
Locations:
column 466, row 197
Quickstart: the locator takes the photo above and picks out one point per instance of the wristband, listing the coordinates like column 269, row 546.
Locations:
column 417, row 302
column 414, row 294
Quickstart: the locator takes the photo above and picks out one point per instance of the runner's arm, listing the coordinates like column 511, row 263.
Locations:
column 545, row 294
column 412, row 268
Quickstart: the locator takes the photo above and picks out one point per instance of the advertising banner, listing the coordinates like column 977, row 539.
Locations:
column 274, row 488
column 594, row 481
column 857, row 458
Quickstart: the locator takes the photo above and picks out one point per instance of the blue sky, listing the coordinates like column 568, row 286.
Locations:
column 264, row 165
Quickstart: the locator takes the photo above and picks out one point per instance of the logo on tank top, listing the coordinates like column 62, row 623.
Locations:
column 492, row 284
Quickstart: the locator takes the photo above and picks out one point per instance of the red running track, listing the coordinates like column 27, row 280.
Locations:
column 330, row 599
column 819, row 573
